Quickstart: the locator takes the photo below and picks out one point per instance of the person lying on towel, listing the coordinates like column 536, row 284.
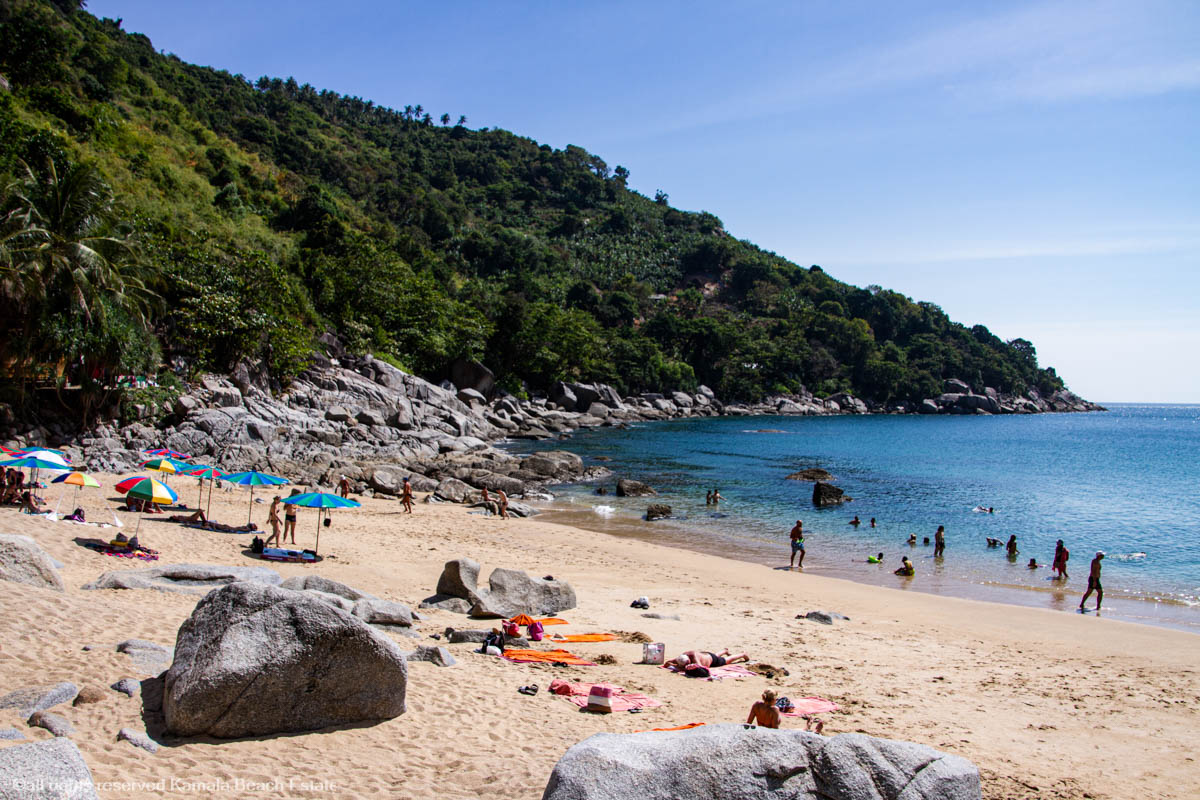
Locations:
column 707, row 659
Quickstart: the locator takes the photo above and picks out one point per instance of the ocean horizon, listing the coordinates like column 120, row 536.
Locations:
column 1123, row 482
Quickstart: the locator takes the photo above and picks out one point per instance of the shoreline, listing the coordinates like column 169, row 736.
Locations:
column 1000, row 685
column 1155, row 612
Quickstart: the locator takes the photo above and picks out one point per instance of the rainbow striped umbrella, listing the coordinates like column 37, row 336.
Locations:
column 325, row 502
column 167, row 465
column 165, row 452
column 253, row 478
column 76, row 479
column 126, row 484
column 151, row 491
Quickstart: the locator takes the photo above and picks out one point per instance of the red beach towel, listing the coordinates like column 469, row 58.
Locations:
column 807, row 706
column 577, row 693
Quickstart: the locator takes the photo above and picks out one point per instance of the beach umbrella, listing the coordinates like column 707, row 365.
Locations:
column 165, row 452
column 323, row 501
column 47, row 461
column 152, row 491
column 166, row 464
column 253, row 478
column 76, row 479
column 206, row 473
column 126, row 484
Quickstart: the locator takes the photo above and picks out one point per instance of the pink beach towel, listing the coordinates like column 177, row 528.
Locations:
column 577, row 693
column 807, row 706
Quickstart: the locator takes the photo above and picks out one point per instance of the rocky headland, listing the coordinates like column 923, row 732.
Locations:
column 362, row 418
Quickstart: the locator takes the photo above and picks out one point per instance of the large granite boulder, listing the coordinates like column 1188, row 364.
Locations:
column 459, row 578
column 825, row 494
column 511, row 592
column 473, row 375
column 383, row 612
column 556, row 464
column 730, row 761
column 316, row 583
column 256, row 660
column 52, row 769
column 657, row 511
column 630, row 488
column 810, row 474
column 22, row 560
column 452, row 490
column 562, row 396
column 39, row 698
column 185, row 578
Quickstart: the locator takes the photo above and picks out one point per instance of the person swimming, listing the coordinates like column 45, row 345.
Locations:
column 912, row 540
column 875, row 559
column 1033, row 564
column 856, row 521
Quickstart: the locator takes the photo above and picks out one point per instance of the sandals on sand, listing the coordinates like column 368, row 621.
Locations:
column 531, row 689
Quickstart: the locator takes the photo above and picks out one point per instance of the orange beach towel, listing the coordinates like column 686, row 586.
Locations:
column 525, row 620
column 545, row 657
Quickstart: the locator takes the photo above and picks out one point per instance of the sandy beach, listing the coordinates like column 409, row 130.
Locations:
column 1047, row 704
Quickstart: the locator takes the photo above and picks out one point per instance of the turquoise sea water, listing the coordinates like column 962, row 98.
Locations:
column 1126, row 482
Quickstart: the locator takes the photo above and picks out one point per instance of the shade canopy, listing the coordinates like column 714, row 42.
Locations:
column 205, row 472
column 34, row 462
column 124, row 485
column 166, row 464
column 154, row 491
column 320, row 500
column 165, row 452
column 77, row 479
column 254, row 478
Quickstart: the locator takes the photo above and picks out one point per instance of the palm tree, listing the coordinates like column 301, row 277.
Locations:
column 62, row 241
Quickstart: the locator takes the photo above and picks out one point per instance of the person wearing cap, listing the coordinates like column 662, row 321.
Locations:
column 344, row 486
column 1094, row 582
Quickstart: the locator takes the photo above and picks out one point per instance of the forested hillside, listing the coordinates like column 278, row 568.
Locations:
column 157, row 211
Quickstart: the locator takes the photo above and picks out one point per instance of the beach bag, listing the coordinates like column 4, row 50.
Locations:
column 536, row 631
column 654, row 653
column 257, row 545
column 600, row 699
column 784, row 704
column 512, row 629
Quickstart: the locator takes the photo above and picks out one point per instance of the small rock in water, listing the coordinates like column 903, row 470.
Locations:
column 137, row 739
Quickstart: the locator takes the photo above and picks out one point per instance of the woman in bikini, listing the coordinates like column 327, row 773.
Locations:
column 273, row 518
column 289, row 519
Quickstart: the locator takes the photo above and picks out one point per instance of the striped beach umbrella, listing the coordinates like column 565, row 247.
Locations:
column 76, row 479
column 124, row 486
column 152, row 491
column 38, row 460
column 253, row 478
column 166, row 464
column 204, row 472
column 324, row 502
column 165, row 452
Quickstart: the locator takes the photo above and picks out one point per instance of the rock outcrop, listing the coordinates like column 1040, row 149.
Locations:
column 757, row 764
column 657, row 511
column 184, row 578
column 510, row 592
column 22, row 560
column 39, row 698
column 631, row 488
column 254, row 660
column 52, row 769
column 825, row 494
column 810, row 474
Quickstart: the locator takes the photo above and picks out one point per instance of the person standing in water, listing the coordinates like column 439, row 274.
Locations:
column 939, row 541
column 1094, row 582
column 797, row 544
column 1011, row 548
column 1061, row 556
column 716, row 497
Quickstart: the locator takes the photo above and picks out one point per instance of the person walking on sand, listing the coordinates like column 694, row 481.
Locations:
column 1061, row 556
column 797, row 535
column 274, row 520
column 406, row 496
column 939, row 541
column 502, row 500
column 344, row 486
column 1094, row 582
column 763, row 713
column 289, row 520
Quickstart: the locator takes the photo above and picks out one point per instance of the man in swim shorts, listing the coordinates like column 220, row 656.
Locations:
column 939, row 541
column 1094, row 582
column 707, row 659
column 797, row 544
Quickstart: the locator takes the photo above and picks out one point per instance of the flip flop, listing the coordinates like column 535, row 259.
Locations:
column 530, row 690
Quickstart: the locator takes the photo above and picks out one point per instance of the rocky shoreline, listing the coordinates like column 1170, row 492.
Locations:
column 360, row 417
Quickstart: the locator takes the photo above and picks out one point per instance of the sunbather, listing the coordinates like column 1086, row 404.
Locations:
column 29, row 504
column 764, row 713
column 195, row 516
column 706, row 658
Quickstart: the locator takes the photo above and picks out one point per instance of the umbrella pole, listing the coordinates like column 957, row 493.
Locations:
column 208, row 513
column 317, row 547
column 200, row 499
column 250, row 511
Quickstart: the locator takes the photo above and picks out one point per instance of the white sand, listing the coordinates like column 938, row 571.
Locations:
column 1047, row 704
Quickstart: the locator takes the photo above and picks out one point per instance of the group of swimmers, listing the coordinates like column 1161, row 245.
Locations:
column 713, row 498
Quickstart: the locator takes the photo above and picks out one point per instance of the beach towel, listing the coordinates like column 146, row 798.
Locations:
column 577, row 693
column 676, row 728
column 293, row 556
column 144, row 554
column 807, row 706
column 217, row 527
column 584, row 637
column 553, row 621
column 545, row 657
column 719, row 673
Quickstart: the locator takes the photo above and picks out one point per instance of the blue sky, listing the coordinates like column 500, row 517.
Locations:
column 1029, row 166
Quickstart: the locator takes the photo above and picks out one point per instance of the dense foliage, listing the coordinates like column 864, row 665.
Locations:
column 259, row 213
